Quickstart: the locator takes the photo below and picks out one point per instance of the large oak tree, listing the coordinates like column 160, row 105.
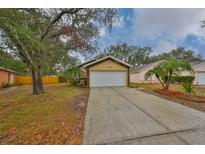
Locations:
column 33, row 34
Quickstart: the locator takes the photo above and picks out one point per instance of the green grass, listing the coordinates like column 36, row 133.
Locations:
column 49, row 118
column 151, row 86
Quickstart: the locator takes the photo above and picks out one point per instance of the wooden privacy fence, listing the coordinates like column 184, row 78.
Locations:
column 28, row 79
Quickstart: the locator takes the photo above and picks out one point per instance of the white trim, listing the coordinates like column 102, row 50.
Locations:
column 111, row 57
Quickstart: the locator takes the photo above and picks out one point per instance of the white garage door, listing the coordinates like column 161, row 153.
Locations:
column 105, row 79
column 200, row 78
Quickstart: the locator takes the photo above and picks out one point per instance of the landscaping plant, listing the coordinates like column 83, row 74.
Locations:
column 188, row 87
column 168, row 68
column 182, row 79
column 74, row 76
column 6, row 85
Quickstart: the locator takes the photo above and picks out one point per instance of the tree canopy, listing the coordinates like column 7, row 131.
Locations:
column 132, row 54
column 179, row 53
column 9, row 61
column 36, row 35
column 137, row 55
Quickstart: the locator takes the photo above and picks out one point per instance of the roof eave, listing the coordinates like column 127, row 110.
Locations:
column 111, row 57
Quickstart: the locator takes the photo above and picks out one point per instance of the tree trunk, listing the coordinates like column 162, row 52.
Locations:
column 160, row 81
column 167, row 85
column 37, row 82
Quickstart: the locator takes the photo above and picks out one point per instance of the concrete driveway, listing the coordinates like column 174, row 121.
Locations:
column 120, row 115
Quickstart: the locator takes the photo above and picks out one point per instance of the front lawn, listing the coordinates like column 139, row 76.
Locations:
column 55, row 117
column 150, row 87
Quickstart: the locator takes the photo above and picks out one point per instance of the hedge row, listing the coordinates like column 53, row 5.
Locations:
column 181, row 79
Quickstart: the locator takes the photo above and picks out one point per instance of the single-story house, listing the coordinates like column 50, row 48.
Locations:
column 107, row 71
column 199, row 69
column 7, row 76
column 137, row 74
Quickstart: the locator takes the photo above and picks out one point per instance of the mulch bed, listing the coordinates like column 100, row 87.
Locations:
column 181, row 95
column 196, row 102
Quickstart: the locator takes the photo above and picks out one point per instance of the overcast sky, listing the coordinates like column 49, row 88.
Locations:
column 161, row 29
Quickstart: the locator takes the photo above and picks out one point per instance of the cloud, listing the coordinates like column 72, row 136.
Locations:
column 160, row 29
column 120, row 23
column 102, row 32
column 164, row 46
column 177, row 23
column 167, row 28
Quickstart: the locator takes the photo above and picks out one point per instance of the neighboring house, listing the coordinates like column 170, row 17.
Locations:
column 137, row 74
column 7, row 76
column 199, row 69
column 107, row 71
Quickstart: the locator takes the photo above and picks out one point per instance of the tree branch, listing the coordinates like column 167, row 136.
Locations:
column 57, row 18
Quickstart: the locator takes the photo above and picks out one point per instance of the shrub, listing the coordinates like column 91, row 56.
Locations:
column 5, row 85
column 182, row 79
column 188, row 87
column 74, row 76
column 62, row 79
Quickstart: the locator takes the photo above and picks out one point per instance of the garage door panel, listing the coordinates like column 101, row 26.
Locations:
column 200, row 77
column 106, row 78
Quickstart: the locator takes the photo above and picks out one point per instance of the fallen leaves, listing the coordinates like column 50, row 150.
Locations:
column 56, row 117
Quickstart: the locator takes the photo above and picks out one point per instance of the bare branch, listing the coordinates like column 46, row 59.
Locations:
column 57, row 18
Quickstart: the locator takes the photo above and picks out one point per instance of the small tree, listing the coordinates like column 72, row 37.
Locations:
column 74, row 75
column 168, row 68
column 188, row 87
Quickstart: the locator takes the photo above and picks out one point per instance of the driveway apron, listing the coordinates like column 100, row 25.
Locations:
column 121, row 115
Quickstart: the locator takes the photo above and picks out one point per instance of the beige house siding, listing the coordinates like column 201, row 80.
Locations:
column 108, row 65
column 140, row 76
column 185, row 73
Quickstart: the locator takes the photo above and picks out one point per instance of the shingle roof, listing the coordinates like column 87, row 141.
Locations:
column 142, row 67
column 8, row 70
column 195, row 63
column 137, row 69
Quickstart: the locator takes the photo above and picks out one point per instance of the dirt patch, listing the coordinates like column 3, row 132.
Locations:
column 81, row 102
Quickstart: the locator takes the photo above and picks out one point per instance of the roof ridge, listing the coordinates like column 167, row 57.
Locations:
column 112, row 57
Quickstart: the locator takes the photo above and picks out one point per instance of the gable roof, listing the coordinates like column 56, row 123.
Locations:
column 105, row 58
column 143, row 67
column 87, row 62
column 8, row 70
column 196, row 63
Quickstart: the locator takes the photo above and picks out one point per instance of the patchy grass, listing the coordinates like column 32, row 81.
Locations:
column 55, row 117
column 150, row 87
